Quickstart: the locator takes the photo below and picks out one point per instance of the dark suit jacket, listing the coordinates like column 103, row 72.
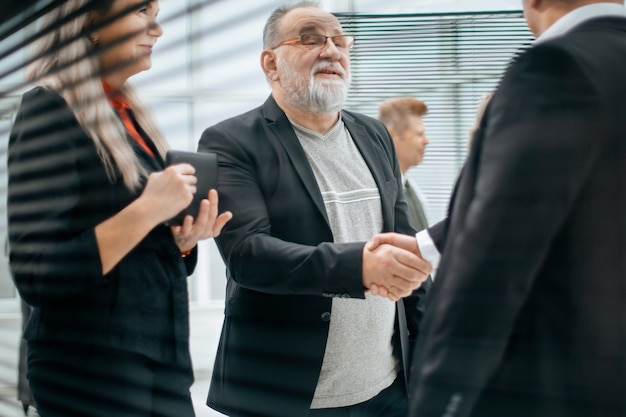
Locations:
column 283, row 268
column 527, row 314
column 58, row 192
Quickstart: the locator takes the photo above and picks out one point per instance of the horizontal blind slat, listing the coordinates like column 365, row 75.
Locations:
column 449, row 61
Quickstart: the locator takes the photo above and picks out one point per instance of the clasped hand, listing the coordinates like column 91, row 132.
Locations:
column 393, row 266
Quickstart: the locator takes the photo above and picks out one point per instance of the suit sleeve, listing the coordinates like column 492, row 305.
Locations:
column 255, row 258
column 438, row 233
column 50, row 258
column 525, row 183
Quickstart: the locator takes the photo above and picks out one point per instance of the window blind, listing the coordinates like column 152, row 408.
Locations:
column 449, row 61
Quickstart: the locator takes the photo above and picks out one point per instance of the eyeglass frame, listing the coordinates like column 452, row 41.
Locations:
column 299, row 41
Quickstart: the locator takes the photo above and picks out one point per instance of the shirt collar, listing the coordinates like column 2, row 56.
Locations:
column 333, row 130
column 581, row 15
column 116, row 99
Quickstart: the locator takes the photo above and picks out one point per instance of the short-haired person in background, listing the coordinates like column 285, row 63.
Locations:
column 403, row 117
column 88, row 196
column 309, row 184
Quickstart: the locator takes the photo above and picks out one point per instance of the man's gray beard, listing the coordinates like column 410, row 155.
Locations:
column 312, row 95
column 326, row 96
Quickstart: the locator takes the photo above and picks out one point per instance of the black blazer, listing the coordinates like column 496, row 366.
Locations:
column 58, row 192
column 527, row 314
column 283, row 268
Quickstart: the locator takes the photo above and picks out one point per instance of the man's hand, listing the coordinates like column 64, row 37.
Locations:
column 392, row 266
column 406, row 242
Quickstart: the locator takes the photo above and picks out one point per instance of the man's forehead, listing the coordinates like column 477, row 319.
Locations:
column 309, row 20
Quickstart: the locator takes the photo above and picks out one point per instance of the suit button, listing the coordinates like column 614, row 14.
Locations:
column 325, row 316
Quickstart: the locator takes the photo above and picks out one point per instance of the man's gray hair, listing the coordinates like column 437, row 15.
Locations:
column 271, row 32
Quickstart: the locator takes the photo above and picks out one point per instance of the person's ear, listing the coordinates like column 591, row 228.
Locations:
column 93, row 35
column 394, row 134
column 535, row 4
column 268, row 64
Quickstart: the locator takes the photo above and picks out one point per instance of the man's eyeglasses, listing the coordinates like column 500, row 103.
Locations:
column 314, row 41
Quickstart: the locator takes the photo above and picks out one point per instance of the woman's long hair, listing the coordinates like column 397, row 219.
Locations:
column 67, row 62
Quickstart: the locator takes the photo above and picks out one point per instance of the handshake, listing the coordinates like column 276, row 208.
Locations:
column 393, row 266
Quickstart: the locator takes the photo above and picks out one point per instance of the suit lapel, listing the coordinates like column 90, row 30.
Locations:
column 417, row 218
column 283, row 132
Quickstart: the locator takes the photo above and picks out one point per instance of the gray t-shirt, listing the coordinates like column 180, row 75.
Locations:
column 358, row 362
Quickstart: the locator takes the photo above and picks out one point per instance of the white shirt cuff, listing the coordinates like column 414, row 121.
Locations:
column 428, row 249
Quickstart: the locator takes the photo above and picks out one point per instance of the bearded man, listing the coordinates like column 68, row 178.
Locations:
column 309, row 184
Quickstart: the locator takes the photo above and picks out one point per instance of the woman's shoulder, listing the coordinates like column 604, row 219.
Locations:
column 41, row 114
column 42, row 97
column 45, row 107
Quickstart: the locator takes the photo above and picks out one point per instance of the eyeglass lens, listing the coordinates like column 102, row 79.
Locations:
column 340, row 41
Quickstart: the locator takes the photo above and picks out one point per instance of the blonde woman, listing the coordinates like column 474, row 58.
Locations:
column 88, row 195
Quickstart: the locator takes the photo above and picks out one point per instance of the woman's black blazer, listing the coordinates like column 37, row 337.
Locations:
column 58, row 192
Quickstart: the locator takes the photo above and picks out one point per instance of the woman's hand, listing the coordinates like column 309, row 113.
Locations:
column 207, row 224
column 168, row 192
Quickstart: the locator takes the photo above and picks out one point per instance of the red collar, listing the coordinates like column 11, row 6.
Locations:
column 119, row 103
column 116, row 99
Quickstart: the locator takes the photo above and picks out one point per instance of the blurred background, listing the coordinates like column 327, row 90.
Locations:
column 447, row 53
